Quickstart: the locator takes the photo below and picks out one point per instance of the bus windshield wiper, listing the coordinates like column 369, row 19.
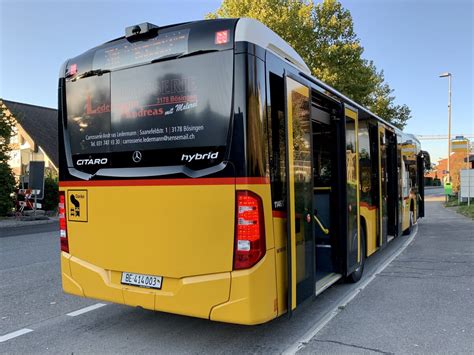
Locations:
column 165, row 57
column 200, row 51
column 96, row 72
column 182, row 55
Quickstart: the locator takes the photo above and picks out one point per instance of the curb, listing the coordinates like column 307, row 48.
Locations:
column 13, row 223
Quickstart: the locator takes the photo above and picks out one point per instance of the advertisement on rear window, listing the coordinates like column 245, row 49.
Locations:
column 172, row 104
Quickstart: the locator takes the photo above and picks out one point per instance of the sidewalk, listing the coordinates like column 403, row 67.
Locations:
column 11, row 222
column 423, row 302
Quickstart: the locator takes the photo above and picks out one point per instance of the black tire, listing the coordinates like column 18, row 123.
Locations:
column 357, row 273
column 408, row 230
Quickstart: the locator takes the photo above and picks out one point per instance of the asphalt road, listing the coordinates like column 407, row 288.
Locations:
column 434, row 191
column 421, row 302
column 28, row 229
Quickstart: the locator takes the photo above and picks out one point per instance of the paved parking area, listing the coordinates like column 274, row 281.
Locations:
column 423, row 302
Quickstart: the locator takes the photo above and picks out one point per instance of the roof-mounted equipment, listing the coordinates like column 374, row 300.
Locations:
column 141, row 29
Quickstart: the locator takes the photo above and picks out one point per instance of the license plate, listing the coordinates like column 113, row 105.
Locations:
column 148, row 281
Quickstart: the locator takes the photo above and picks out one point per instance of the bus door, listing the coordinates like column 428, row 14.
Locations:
column 375, row 180
column 420, row 173
column 352, row 189
column 400, row 175
column 392, row 184
column 329, row 190
column 383, row 186
column 300, row 190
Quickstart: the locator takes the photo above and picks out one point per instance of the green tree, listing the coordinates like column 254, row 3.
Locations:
column 381, row 102
column 323, row 34
column 7, row 180
column 51, row 193
column 337, row 57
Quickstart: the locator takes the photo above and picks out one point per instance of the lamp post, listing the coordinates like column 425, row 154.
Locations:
column 448, row 75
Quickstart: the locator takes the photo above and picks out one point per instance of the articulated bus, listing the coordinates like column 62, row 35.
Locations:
column 205, row 172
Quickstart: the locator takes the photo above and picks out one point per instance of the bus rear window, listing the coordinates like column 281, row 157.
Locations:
column 182, row 103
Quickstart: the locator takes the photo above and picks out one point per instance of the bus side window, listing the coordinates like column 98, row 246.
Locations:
column 276, row 112
column 365, row 163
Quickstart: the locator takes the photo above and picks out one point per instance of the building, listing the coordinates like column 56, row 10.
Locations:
column 458, row 162
column 461, row 158
column 35, row 136
column 471, row 161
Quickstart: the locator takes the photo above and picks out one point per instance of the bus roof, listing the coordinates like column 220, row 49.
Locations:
column 253, row 31
column 349, row 101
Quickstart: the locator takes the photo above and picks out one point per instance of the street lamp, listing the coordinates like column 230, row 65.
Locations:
column 448, row 75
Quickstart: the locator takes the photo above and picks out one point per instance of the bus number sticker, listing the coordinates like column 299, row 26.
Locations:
column 77, row 205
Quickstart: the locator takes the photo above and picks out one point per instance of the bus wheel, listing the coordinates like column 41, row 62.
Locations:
column 408, row 230
column 357, row 274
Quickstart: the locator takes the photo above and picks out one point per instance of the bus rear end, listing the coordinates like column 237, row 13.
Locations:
column 157, row 207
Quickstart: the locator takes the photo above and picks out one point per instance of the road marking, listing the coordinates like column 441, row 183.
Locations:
column 86, row 309
column 14, row 334
column 316, row 328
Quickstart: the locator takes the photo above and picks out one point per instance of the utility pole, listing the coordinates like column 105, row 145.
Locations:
column 448, row 75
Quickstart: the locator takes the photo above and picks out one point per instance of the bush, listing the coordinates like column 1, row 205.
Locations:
column 51, row 194
column 7, row 187
column 7, row 180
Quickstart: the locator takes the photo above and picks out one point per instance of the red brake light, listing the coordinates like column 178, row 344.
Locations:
column 249, row 230
column 222, row 37
column 62, row 223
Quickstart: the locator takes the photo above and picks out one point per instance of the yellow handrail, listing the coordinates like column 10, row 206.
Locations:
column 325, row 230
column 322, row 188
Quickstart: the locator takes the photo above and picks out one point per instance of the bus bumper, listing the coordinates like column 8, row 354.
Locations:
column 193, row 296
column 250, row 300
column 253, row 298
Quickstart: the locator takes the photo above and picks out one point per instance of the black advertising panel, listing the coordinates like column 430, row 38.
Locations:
column 182, row 106
column 36, row 177
column 88, row 113
column 182, row 103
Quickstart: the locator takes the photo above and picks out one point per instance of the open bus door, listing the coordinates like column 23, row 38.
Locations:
column 393, row 185
column 299, row 174
column 420, row 162
column 383, row 185
column 353, row 255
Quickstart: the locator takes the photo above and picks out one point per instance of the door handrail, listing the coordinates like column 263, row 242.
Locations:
column 324, row 229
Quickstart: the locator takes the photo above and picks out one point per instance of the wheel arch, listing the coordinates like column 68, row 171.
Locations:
column 363, row 225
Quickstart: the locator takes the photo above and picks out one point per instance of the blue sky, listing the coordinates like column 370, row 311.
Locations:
column 412, row 41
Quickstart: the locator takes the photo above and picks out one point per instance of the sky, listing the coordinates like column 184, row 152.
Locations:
column 411, row 41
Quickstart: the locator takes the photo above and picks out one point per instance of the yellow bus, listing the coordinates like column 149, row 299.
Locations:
column 205, row 172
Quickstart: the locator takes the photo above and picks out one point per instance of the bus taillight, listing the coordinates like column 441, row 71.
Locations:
column 249, row 231
column 63, row 223
column 222, row 37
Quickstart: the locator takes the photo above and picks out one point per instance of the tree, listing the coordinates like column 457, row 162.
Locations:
column 337, row 58
column 51, row 192
column 381, row 102
column 458, row 162
column 7, row 180
column 323, row 34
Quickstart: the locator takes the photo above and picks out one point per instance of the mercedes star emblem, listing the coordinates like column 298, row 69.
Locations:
column 137, row 156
